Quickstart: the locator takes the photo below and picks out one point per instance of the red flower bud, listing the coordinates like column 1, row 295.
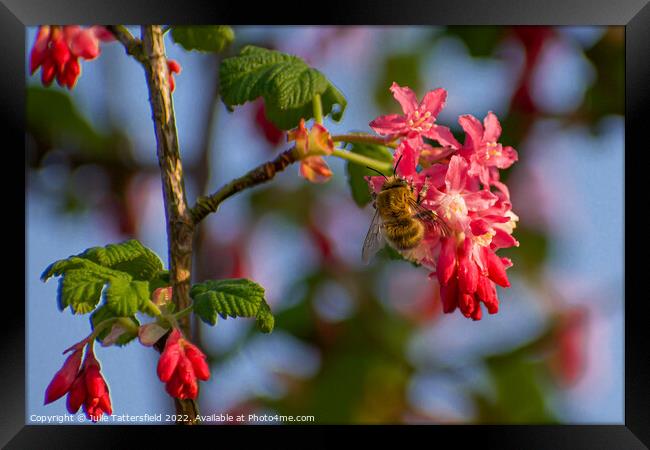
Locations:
column 496, row 269
column 172, row 68
column 90, row 390
column 449, row 295
column 77, row 395
column 198, row 360
column 64, row 378
column 467, row 270
column 57, row 50
column 181, row 364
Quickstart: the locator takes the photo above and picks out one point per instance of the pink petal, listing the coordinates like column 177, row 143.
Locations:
column 479, row 227
column 502, row 187
column 507, row 158
column 63, row 379
column 40, row 48
column 503, row 240
column 446, row 260
column 407, row 157
column 406, row 98
column 467, row 270
column 477, row 201
column 456, row 174
column 473, row 128
column 466, row 304
column 315, row 169
column 376, row 183
column 449, row 296
column 85, row 44
column 443, row 135
column 102, row 33
column 477, row 313
column 389, row 125
column 434, row 101
column 492, row 128
column 168, row 361
column 488, row 294
column 496, row 269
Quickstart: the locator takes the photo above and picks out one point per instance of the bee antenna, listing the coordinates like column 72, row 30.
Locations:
column 397, row 164
column 377, row 172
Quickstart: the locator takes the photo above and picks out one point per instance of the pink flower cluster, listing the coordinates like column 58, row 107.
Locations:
column 463, row 188
column 181, row 365
column 57, row 50
column 84, row 385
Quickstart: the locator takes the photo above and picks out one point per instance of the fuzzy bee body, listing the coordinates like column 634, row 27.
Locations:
column 393, row 203
column 399, row 219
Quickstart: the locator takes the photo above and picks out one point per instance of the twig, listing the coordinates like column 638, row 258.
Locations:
column 132, row 45
column 179, row 222
column 259, row 175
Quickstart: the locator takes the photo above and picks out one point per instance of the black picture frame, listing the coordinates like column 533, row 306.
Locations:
column 15, row 15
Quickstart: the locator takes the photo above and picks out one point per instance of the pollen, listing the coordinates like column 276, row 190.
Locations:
column 485, row 239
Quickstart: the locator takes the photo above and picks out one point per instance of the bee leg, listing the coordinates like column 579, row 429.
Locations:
column 423, row 191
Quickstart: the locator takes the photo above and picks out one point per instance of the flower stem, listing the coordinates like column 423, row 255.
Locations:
column 364, row 138
column 318, row 109
column 184, row 312
column 361, row 160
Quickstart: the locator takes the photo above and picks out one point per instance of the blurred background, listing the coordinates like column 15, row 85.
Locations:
column 352, row 343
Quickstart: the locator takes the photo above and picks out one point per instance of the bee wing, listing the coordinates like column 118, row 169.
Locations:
column 374, row 239
column 429, row 218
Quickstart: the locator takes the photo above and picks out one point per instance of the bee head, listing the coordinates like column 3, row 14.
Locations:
column 394, row 182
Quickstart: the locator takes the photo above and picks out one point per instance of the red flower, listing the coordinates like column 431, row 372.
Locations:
column 481, row 148
column 172, row 67
column 57, row 50
column 271, row 133
column 90, row 390
column 180, row 364
column 64, row 378
column 310, row 145
column 418, row 119
column 467, row 273
column 461, row 185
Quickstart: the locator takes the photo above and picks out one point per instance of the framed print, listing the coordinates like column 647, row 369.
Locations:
column 420, row 217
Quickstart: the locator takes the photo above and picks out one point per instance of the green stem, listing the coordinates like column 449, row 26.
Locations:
column 363, row 138
column 153, row 307
column 361, row 160
column 184, row 312
column 318, row 109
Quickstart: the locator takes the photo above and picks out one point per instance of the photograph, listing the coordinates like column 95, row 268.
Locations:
column 324, row 224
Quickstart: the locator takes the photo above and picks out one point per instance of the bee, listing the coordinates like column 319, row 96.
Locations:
column 400, row 219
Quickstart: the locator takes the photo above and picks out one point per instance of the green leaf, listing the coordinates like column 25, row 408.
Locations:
column 356, row 173
column 232, row 298
column 204, row 38
column 287, row 84
column 64, row 266
column 125, row 297
column 81, row 290
column 104, row 312
column 81, row 284
column 129, row 256
column 126, row 268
